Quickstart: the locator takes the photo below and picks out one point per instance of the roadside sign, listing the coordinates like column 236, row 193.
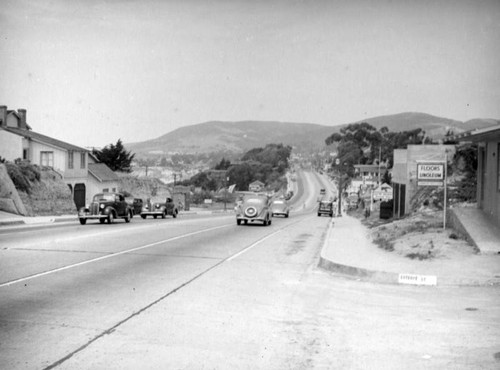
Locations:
column 417, row 279
column 430, row 174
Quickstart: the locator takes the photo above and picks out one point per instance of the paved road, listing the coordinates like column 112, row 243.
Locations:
column 201, row 292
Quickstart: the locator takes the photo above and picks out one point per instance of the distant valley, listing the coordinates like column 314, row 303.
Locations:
column 238, row 137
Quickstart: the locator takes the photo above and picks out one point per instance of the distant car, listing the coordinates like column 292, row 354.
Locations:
column 279, row 207
column 106, row 206
column 162, row 209
column 253, row 208
column 137, row 206
column 325, row 208
column 322, row 192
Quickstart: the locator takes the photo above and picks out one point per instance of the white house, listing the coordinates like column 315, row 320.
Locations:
column 76, row 165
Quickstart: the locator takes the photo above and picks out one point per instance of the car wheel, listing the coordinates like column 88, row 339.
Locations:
column 238, row 222
column 154, row 216
column 245, row 222
column 83, row 221
column 128, row 217
column 102, row 220
column 111, row 218
column 174, row 215
column 143, row 217
column 269, row 222
column 163, row 214
column 319, row 214
column 286, row 216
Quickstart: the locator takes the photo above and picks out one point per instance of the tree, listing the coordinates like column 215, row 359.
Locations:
column 224, row 164
column 115, row 157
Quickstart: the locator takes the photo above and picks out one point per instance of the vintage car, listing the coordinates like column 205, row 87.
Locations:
column 253, row 208
column 162, row 209
column 137, row 206
column 280, row 207
column 325, row 208
column 106, row 206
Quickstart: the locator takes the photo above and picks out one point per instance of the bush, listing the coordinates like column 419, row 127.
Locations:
column 23, row 175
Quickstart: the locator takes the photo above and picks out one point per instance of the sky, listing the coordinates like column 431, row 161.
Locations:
column 90, row 72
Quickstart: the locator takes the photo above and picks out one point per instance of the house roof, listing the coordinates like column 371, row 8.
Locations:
column 102, row 172
column 14, row 112
column 257, row 183
column 491, row 133
column 44, row 139
column 369, row 167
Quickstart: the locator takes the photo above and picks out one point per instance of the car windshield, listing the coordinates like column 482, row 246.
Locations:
column 104, row 198
column 255, row 200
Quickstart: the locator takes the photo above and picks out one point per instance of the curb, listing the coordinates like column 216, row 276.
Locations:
column 393, row 277
column 47, row 220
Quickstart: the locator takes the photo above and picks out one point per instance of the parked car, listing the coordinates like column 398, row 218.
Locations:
column 280, row 207
column 253, row 208
column 325, row 208
column 106, row 206
column 155, row 209
column 137, row 206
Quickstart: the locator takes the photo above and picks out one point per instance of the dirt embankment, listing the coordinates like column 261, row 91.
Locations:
column 419, row 236
column 49, row 196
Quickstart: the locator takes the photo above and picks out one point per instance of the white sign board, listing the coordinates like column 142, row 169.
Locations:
column 417, row 279
column 430, row 174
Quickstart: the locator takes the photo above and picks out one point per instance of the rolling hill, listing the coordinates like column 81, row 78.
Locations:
column 238, row 137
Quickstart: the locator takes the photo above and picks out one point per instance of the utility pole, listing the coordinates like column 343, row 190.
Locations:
column 379, row 160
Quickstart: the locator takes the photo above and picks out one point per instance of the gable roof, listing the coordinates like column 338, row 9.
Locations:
column 102, row 172
column 257, row 183
column 44, row 139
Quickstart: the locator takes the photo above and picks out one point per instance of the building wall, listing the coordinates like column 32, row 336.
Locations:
column 11, row 146
column 489, row 183
column 77, row 171
column 94, row 186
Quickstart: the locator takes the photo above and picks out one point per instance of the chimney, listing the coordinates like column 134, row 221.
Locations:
column 22, row 117
column 3, row 116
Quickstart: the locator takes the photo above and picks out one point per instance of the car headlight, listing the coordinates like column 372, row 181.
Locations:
column 101, row 206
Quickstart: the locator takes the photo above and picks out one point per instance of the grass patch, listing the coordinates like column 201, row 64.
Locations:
column 420, row 256
column 384, row 244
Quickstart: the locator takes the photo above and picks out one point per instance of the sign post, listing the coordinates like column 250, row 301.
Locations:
column 434, row 174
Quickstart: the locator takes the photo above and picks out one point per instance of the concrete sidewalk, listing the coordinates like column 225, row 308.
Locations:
column 348, row 250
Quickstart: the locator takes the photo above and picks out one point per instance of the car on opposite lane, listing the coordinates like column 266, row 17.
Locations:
column 106, row 206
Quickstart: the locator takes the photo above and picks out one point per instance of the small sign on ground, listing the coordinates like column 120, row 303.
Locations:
column 417, row 279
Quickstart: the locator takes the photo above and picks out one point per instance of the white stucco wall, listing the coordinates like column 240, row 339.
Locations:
column 11, row 146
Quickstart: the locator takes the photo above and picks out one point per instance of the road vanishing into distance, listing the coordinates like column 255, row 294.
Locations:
column 200, row 292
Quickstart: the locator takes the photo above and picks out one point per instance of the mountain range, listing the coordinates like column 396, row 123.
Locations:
column 238, row 137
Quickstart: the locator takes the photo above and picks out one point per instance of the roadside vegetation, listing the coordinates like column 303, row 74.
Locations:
column 41, row 189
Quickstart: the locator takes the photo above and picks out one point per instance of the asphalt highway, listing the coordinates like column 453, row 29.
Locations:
column 201, row 292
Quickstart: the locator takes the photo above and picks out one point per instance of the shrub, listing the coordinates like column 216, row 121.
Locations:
column 23, row 175
column 18, row 178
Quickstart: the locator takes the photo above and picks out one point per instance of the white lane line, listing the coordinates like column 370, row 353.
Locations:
column 253, row 245
column 109, row 256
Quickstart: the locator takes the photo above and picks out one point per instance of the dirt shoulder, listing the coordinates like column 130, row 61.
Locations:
column 419, row 236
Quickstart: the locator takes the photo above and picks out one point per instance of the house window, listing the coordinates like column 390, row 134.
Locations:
column 25, row 154
column 83, row 158
column 47, row 159
column 105, row 190
column 70, row 160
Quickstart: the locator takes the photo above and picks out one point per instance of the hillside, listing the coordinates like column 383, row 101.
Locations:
column 237, row 137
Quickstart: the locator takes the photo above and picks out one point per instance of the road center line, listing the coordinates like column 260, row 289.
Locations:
column 109, row 256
